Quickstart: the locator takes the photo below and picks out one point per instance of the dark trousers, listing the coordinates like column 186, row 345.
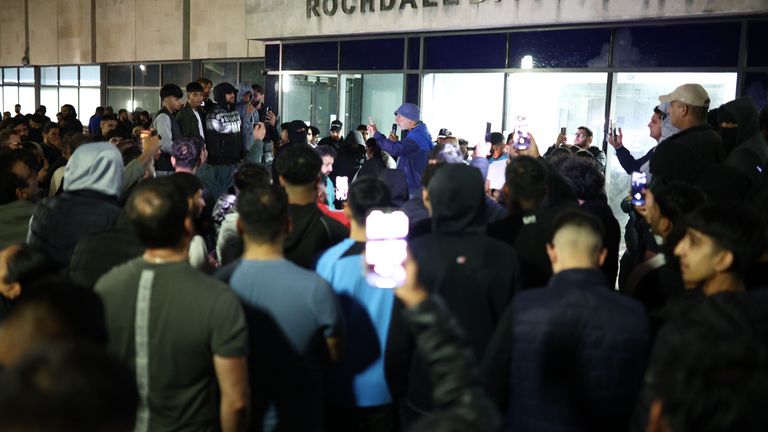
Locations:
column 382, row 418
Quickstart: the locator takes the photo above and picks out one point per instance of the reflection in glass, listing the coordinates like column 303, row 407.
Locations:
column 312, row 99
column 90, row 99
column 146, row 75
column 49, row 76
column 177, row 73
column 119, row 75
column 221, row 72
column 11, row 76
column 147, row 100
column 445, row 101
column 27, row 100
column 70, row 96
column 90, row 76
column 250, row 72
column 27, row 75
column 10, row 98
column 68, row 76
column 371, row 95
column 120, row 98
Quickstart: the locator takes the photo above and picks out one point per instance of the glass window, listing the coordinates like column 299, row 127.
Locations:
column 146, row 75
column 120, row 98
column 572, row 100
column 27, row 100
column 482, row 51
column 250, row 72
column 27, row 75
column 560, row 48
column 147, row 100
column 272, row 56
column 756, row 87
column 49, row 75
column 311, row 56
column 119, row 75
column 372, row 54
column 68, row 76
column 311, row 98
column 90, row 99
column 10, row 97
column 221, row 72
column 90, row 76
column 49, row 96
column 634, row 97
column 177, row 73
column 70, row 96
column 756, row 37
column 11, row 76
column 371, row 95
column 441, row 109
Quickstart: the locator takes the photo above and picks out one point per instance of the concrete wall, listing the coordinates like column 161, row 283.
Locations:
column 312, row 18
column 62, row 32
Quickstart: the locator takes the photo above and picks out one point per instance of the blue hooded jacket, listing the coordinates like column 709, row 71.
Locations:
column 412, row 154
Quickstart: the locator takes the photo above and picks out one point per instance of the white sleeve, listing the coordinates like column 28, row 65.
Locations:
column 162, row 124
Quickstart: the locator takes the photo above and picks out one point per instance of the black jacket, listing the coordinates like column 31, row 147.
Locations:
column 312, row 233
column 223, row 138
column 685, row 155
column 188, row 126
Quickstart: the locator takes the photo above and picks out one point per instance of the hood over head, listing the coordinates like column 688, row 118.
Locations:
column 354, row 138
column 458, row 200
column 398, row 186
column 242, row 90
column 96, row 167
column 220, row 94
column 743, row 112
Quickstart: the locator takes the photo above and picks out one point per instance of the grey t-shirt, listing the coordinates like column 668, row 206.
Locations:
column 167, row 321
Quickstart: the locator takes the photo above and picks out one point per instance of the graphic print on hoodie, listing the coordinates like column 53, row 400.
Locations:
column 222, row 129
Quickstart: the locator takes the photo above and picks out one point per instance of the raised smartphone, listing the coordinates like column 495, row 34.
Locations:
column 639, row 185
column 386, row 248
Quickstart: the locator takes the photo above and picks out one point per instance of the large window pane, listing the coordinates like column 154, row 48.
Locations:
column 90, row 99
column 68, row 76
column 90, row 76
column 221, row 72
column 49, row 96
column 10, row 98
column 634, row 97
column 119, row 75
column 70, row 96
column 146, row 75
column 27, row 100
column 370, row 95
column 550, row 101
column 177, row 73
column 443, row 97
column 27, row 75
column 250, row 72
column 49, row 75
column 120, row 98
column 147, row 100
column 311, row 98
column 11, row 76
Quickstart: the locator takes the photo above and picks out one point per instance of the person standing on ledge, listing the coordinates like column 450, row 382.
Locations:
column 412, row 151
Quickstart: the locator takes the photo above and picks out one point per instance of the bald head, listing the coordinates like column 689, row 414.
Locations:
column 577, row 242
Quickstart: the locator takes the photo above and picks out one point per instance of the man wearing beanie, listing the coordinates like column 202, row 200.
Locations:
column 412, row 151
column 192, row 118
column 166, row 125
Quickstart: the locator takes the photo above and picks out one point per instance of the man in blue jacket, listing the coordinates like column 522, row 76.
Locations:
column 412, row 151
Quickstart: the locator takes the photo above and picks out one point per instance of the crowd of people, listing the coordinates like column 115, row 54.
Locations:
column 204, row 268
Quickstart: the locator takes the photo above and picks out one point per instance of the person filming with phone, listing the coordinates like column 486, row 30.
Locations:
column 412, row 151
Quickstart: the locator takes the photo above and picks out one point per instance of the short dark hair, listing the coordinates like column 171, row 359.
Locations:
column 171, row 90
column 100, row 110
column 257, row 89
column 108, row 117
column 9, row 181
column 714, row 381
column 298, row 164
column 362, row 128
column 429, row 171
column 584, row 177
column 263, row 212
column 251, row 174
column 497, row 138
column 315, row 131
column 204, row 81
column 157, row 209
column 48, row 126
column 122, row 110
column 587, row 130
column 28, row 264
column 733, row 227
column 186, row 151
column 676, row 200
column 367, row 193
column 189, row 184
column 92, row 390
column 527, row 179
column 581, row 219
column 326, row 150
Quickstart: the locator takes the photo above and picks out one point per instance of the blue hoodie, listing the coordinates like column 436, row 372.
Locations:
column 412, row 154
column 248, row 119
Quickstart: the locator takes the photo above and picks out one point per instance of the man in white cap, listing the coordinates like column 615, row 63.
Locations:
column 683, row 155
column 412, row 152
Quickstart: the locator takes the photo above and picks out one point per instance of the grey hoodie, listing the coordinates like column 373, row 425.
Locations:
column 97, row 167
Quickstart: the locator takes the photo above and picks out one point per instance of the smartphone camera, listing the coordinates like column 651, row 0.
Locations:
column 639, row 185
column 386, row 248
column 342, row 188
column 394, row 128
column 523, row 140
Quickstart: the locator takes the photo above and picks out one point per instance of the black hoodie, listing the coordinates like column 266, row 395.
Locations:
column 750, row 151
column 474, row 274
column 222, row 129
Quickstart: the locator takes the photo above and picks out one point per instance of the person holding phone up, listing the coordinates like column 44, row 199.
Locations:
column 412, row 151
